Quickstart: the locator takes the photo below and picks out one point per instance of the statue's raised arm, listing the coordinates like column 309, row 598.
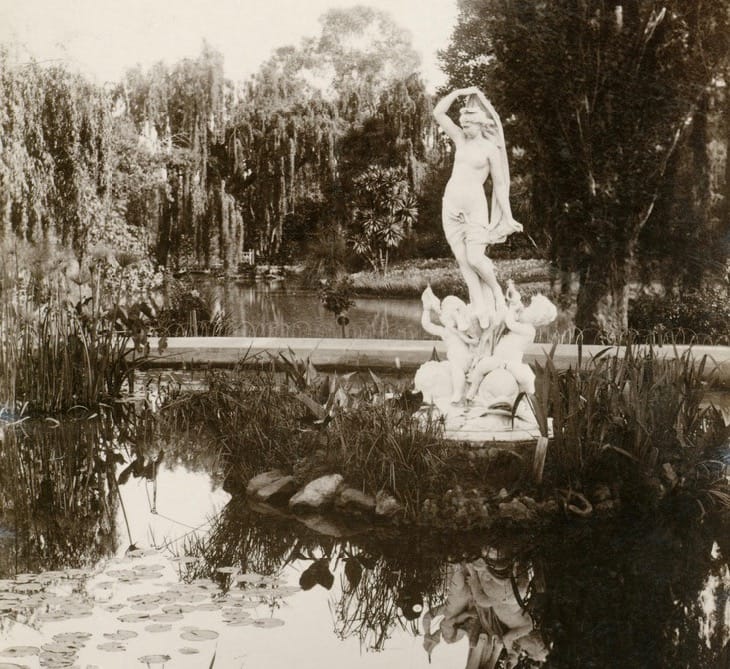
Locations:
column 480, row 152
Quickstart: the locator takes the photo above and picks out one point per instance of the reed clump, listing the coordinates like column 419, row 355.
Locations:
column 65, row 340
column 635, row 421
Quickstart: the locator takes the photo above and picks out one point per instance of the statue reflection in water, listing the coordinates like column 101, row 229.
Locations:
column 486, row 602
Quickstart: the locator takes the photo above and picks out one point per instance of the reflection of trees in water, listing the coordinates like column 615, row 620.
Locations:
column 619, row 595
column 56, row 483
column 609, row 595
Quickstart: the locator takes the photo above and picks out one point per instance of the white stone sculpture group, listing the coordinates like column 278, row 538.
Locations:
column 484, row 373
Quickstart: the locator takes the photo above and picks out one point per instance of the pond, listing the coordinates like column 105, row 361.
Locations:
column 122, row 545
column 276, row 310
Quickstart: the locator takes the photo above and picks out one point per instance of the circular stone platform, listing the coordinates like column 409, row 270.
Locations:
column 479, row 425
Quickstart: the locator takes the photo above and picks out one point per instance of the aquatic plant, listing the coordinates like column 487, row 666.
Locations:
column 191, row 310
column 64, row 340
column 636, row 417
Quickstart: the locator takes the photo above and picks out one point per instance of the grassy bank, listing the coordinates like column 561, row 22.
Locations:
column 409, row 278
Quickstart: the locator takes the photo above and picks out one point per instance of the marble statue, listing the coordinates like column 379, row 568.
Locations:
column 469, row 226
column 477, row 388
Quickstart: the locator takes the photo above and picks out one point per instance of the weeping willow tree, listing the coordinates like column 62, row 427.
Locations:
column 317, row 116
column 55, row 146
column 282, row 149
column 180, row 115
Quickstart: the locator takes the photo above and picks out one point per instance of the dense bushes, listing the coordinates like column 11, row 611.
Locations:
column 702, row 313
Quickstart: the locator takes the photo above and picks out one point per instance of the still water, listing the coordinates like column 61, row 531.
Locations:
column 275, row 310
column 121, row 545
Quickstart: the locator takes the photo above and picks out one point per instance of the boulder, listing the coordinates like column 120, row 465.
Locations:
column 351, row 500
column 262, row 480
column 278, row 491
column 318, row 493
column 386, row 505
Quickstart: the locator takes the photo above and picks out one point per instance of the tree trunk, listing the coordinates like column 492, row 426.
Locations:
column 603, row 301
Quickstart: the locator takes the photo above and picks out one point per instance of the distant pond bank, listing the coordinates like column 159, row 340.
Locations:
column 277, row 309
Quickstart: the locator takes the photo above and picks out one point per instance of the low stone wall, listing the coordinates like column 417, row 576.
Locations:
column 393, row 355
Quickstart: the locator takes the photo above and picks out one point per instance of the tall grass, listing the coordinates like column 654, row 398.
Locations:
column 311, row 425
column 640, row 411
column 64, row 341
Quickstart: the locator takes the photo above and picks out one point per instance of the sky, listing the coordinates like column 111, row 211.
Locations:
column 103, row 38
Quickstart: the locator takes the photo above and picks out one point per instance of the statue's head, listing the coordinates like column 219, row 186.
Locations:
column 540, row 311
column 475, row 118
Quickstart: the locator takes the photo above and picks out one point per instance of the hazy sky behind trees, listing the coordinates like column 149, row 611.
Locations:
column 103, row 38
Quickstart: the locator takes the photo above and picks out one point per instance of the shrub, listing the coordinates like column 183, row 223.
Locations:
column 698, row 313
column 191, row 310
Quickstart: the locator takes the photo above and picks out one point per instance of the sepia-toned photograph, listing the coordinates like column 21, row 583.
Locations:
column 378, row 334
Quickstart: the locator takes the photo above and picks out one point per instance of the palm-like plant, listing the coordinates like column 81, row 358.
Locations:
column 384, row 214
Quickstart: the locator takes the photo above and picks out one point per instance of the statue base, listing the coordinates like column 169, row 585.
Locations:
column 488, row 419
column 479, row 425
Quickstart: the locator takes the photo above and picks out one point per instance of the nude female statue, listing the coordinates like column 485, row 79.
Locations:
column 468, row 226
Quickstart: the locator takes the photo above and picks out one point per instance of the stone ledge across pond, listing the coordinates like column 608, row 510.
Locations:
column 393, row 355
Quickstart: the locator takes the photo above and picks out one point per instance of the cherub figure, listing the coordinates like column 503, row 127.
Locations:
column 521, row 323
column 454, row 315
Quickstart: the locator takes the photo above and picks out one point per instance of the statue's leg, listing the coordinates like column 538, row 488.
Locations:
column 476, row 376
column 485, row 271
column 471, row 278
column 458, row 383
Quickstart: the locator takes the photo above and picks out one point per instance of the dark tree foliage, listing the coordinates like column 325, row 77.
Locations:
column 601, row 96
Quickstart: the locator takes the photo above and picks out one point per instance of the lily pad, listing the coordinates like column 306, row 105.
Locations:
column 166, row 617
column 154, row 659
column 268, row 622
column 178, row 608
column 20, row 651
column 158, row 627
column 8, row 665
column 208, row 606
column 112, row 647
column 133, row 617
column 64, row 637
column 186, row 650
column 198, row 634
column 120, row 635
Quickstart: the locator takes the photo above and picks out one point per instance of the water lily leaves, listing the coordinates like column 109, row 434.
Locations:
column 20, row 651
column 61, row 648
column 154, row 659
column 133, row 617
column 285, row 590
column 178, row 608
column 120, row 635
column 65, row 637
column 208, row 606
column 166, row 617
column 239, row 622
column 198, row 634
column 112, row 647
column 158, row 627
column 268, row 622
column 185, row 650
column 8, row 665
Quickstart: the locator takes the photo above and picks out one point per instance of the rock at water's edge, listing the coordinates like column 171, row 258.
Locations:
column 386, row 505
column 278, row 491
column 353, row 500
column 317, row 493
column 262, row 480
